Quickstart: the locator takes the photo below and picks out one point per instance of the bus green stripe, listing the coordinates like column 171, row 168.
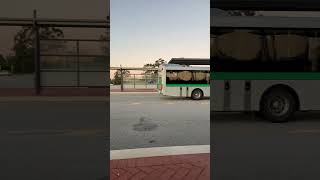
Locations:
column 265, row 76
column 187, row 85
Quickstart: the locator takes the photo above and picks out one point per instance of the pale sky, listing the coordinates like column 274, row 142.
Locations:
column 144, row 30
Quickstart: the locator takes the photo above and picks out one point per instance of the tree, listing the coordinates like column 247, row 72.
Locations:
column 159, row 62
column 3, row 63
column 156, row 64
column 23, row 59
column 117, row 76
column 25, row 37
column 148, row 66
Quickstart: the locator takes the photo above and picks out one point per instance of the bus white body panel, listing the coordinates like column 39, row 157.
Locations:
column 184, row 91
column 237, row 99
column 181, row 90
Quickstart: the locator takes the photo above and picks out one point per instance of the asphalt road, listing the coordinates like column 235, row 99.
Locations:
column 53, row 140
column 247, row 147
column 66, row 140
column 150, row 120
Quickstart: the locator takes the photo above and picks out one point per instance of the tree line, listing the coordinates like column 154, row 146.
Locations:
column 22, row 59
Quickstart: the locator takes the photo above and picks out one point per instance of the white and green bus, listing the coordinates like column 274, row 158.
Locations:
column 266, row 64
column 184, row 81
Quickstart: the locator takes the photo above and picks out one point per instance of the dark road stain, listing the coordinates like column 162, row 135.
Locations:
column 145, row 125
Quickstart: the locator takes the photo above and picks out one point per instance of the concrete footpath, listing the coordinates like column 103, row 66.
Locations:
column 161, row 163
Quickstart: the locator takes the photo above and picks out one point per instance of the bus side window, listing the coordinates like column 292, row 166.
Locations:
column 172, row 77
column 200, row 77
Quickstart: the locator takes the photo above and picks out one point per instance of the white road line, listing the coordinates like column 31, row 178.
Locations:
column 135, row 103
column 158, row 151
column 169, row 103
column 204, row 103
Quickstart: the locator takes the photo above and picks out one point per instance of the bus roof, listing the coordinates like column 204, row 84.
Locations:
column 265, row 22
column 190, row 61
column 279, row 5
column 182, row 67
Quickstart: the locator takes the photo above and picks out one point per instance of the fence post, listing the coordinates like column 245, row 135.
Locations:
column 78, row 64
column 134, row 81
column 157, row 81
column 145, row 78
column 121, row 75
column 36, row 53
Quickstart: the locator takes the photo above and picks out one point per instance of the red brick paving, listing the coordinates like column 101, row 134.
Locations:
column 180, row 167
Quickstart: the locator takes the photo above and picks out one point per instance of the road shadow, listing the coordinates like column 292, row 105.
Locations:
column 183, row 98
column 307, row 116
column 228, row 117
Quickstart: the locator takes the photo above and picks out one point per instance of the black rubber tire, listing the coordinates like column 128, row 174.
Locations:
column 197, row 94
column 286, row 98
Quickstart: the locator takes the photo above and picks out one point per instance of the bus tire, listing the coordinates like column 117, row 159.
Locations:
column 197, row 94
column 278, row 105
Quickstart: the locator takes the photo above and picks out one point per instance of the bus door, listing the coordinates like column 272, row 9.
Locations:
column 231, row 95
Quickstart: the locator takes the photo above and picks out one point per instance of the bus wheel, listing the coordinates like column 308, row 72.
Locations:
column 278, row 105
column 197, row 94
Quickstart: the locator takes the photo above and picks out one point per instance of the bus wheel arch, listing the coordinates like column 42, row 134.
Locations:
column 197, row 94
column 287, row 95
